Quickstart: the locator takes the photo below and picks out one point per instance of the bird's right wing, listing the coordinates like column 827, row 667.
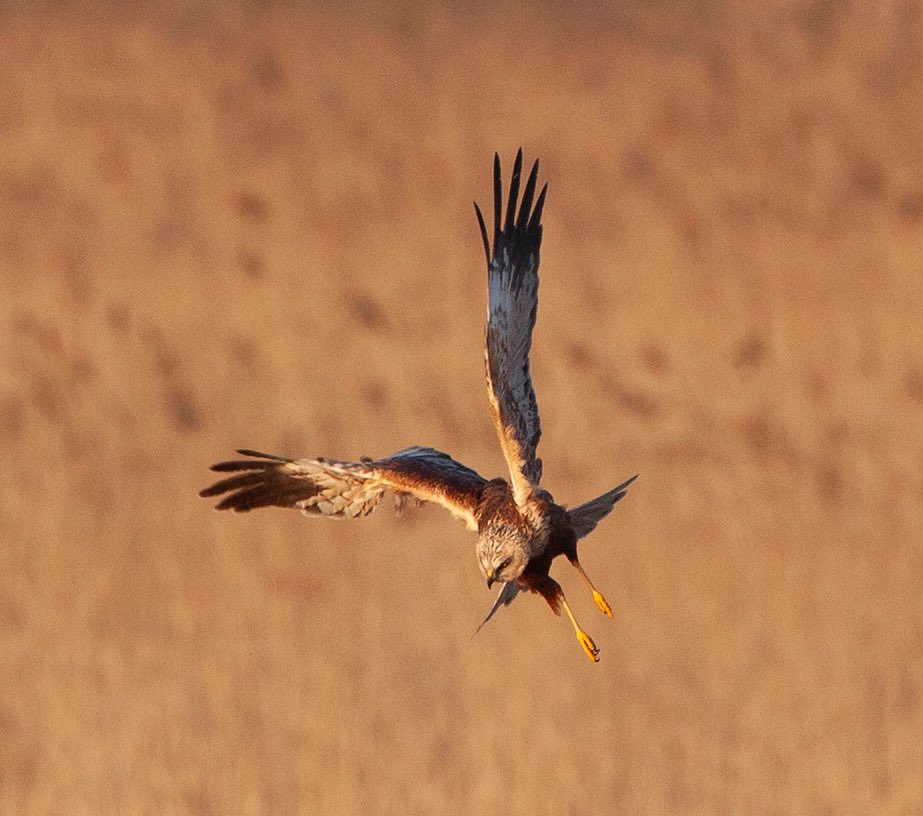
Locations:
column 512, row 285
column 328, row 487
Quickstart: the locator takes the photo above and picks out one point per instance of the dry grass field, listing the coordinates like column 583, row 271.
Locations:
column 248, row 224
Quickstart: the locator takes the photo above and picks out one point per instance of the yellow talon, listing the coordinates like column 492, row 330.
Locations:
column 585, row 640
column 598, row 599
column 588, row 646
column 601, row 603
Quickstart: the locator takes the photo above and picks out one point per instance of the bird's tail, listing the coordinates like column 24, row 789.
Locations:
column 586, row 516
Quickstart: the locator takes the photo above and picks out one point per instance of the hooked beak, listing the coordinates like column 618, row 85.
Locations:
column 491, row 577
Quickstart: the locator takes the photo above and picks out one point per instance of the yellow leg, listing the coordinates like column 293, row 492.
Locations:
column 598, row 598
column 585, row 640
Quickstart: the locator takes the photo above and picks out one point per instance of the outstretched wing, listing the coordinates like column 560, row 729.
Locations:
column 328, row 487
column 512, row 284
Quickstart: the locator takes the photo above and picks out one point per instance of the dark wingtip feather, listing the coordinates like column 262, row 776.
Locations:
column 259, row 455
column 622, row 489
column 238, row 464
column 498, row 197
column 246, row 497
column 522, row 219
column 483, row 227
column 215, row 490
column 536, row 219
column 261, row 493
column 513, row 199
column 238, row 482
column 232, row 502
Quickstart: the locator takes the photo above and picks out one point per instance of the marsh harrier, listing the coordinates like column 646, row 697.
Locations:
column 520, row 528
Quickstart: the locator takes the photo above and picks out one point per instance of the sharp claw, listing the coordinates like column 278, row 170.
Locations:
column 602, row 604
column 589, row 646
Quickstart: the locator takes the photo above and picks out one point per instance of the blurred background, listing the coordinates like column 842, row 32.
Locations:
column 250, row 224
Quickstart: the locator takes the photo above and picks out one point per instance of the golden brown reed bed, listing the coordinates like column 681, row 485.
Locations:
column 231, row 225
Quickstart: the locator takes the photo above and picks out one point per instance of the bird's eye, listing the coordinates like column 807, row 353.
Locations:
column 504, row 565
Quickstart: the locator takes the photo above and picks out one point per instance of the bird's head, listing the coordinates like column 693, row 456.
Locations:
column 501, row 556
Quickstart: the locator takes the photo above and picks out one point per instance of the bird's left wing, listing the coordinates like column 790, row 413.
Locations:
column 512, row 285
column 338, row 489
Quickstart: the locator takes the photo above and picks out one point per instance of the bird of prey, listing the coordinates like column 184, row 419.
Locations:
column 520, row 528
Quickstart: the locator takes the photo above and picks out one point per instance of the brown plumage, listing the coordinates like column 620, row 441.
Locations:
column 520, row 528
